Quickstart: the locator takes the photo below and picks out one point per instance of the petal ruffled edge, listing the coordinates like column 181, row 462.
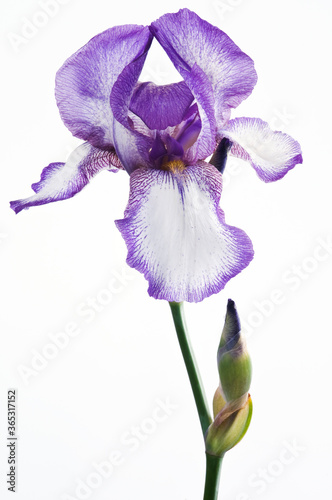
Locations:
column 176, row 233
column 60, row 181
column 85, row 81
column 189, row 40
column 271, row 153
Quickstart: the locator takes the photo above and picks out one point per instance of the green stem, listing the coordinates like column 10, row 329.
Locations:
column 191, row 365
column 213, row 468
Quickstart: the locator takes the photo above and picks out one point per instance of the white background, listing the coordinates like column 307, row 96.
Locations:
column 111, row 377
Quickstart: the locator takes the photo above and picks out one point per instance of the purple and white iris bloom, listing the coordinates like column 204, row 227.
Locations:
column 173, row 227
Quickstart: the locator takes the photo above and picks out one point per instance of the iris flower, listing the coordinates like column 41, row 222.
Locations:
column 173, row 227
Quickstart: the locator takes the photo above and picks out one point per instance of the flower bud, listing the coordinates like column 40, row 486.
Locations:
column 234, row 363
column 218, row 402
column 228, row 429
column 232, row 405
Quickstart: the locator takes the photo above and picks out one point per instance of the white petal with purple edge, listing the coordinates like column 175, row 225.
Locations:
column 177, row 236
column 272, row 154
column 60, row 181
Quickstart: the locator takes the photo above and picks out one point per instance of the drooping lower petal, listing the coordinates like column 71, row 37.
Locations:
column 177, row 236
column 60, row 181
column 85, row 81
column 272, row 154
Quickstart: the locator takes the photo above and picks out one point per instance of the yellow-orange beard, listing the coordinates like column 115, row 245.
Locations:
column 174, row 166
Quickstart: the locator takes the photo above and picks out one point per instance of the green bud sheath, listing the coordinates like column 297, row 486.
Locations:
column 222, row 435
column 232, row 405
column 218, row 402
column 234, row 364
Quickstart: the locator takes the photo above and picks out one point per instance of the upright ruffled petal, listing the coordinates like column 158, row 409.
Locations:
column 202, row 89
column 60, row 181
column 189, row 41
column 177, row 236
column 161, row 106
column 85, row 81
column 132, row 146
column 272, row 154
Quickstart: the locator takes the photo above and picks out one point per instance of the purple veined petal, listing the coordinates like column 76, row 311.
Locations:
column 191, row 112
column 132, row 146
column 204, row 142
column 174, row 148
column 272, row 154
column 136, row 123
column 85, row 81
column 161, row 106
column 165, row 148
column 189, row 40
column 176, row 233
column 60, row 181
column 201, row 88
column 191, row 115
column 158, row 149
column 190, row 131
